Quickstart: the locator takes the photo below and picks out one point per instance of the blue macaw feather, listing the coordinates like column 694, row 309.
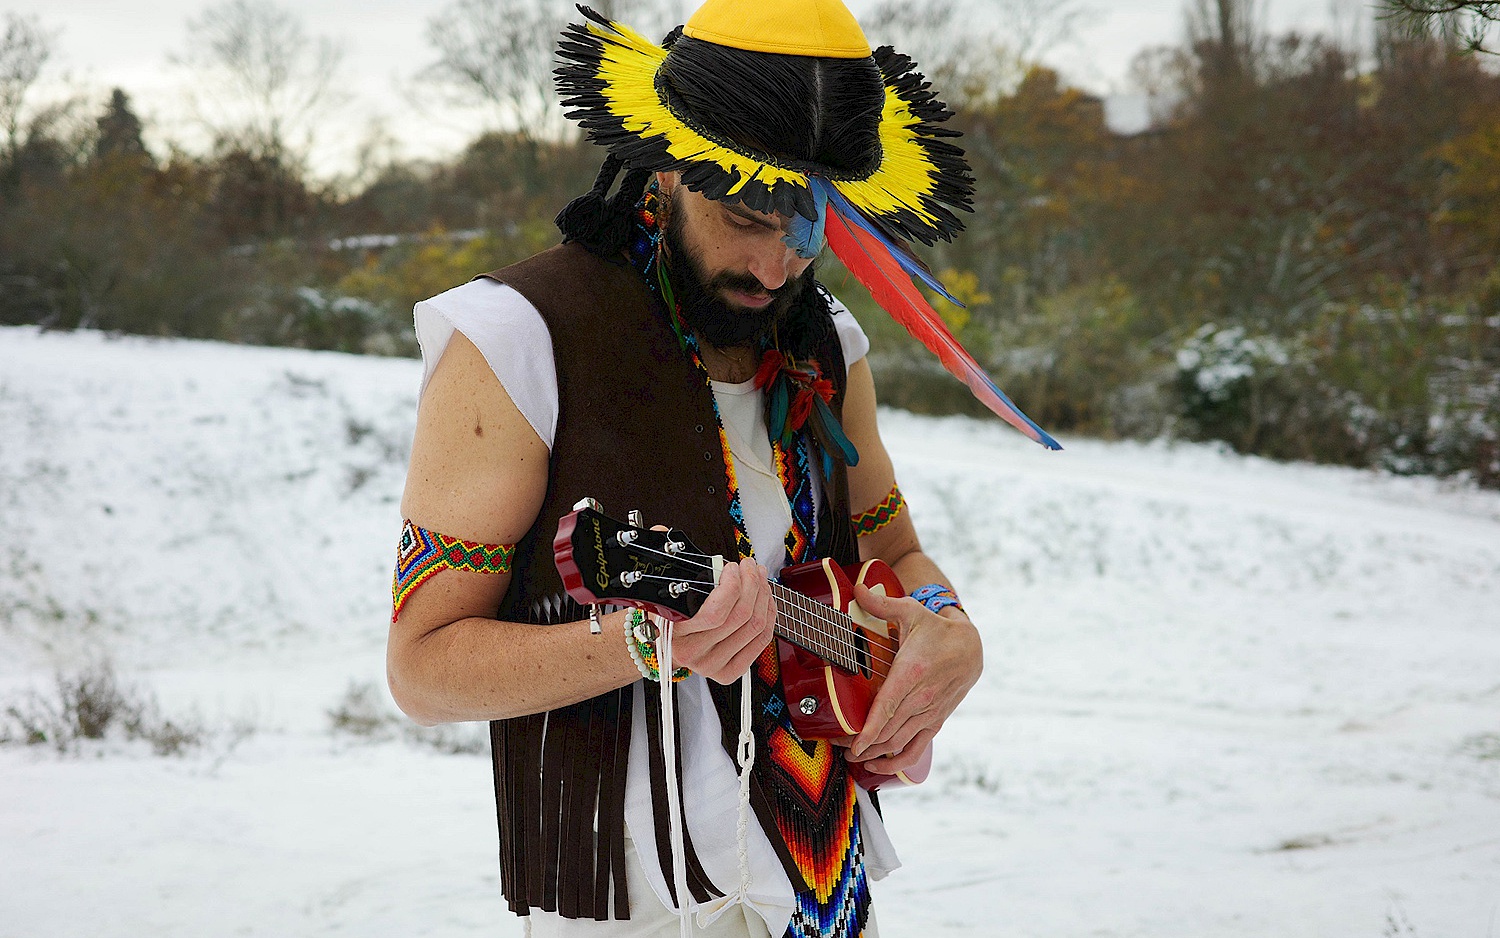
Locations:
column 780, row 407
column 804, row 236
column 835, row 432
column 912, row 266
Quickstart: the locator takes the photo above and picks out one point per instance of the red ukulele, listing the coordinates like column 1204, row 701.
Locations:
column 834, row 655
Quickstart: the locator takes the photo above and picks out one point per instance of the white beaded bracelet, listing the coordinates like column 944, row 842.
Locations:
column 640, row 635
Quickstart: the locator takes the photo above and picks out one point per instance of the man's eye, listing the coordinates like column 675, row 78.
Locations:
column 740, row 221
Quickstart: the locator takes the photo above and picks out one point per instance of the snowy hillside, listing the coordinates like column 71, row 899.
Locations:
column 1222, row 696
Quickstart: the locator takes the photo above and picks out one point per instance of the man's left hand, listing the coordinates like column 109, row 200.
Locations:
column 939, row 659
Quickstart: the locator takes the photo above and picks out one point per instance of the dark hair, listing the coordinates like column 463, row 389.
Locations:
column 793, row 109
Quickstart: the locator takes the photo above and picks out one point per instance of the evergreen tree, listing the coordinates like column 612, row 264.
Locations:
column 1467, row 21
column 120, row 130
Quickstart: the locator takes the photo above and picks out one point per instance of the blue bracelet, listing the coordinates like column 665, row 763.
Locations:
column 936, row 596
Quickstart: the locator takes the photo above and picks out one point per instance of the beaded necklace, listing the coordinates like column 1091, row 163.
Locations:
column 806, row 784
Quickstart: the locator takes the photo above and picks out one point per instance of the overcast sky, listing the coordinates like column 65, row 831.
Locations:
column 106, row 43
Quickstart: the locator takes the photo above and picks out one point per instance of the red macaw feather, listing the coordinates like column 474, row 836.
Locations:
column 872, row 262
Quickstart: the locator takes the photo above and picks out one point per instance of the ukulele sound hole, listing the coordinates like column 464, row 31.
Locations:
column 862, row 654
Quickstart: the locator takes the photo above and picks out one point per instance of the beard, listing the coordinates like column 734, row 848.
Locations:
column 705, row 311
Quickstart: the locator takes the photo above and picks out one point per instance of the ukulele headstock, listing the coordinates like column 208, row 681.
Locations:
column 603, row 560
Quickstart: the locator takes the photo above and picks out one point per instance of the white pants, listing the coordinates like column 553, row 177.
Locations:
column 650, row 919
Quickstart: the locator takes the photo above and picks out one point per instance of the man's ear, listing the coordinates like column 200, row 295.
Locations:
column 666, row 182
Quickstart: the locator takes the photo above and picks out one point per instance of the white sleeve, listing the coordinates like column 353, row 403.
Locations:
column 855, row 343
column 509, row 333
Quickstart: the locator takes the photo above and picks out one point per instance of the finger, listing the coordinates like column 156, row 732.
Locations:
column 882, row 710
column 905, row 759
column 890, row 608
column 746, row 643
column 742, row 661
column 767, row 600
column 899, row 699
column 725, row 654
column 750, row 599
column 715, row 609
column 894, row 733
column 724, row 650
column 901, row 612
column 909, row 756
column 899, row 733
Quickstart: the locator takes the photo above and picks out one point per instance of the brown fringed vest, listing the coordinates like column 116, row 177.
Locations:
column 635, row 429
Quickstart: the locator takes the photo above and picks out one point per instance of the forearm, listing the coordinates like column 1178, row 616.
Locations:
column 484, row 669
column 915, row 569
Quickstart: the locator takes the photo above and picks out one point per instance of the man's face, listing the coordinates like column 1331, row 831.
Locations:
column 734, row 276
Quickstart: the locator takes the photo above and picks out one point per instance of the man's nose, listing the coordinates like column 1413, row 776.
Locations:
column 774, row 265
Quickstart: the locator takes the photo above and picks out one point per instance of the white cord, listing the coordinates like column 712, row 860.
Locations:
column 747, row 762
column 669, row 756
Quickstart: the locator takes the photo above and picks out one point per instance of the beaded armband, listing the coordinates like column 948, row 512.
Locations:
column 422, row 553
column 936, row 596
column 868, row 522
column 640, row 638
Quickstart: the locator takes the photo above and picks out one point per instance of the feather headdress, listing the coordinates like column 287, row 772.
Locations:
column 907, row 187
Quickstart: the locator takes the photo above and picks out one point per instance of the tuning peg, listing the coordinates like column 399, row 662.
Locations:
column 634, row 517
column 583, row 503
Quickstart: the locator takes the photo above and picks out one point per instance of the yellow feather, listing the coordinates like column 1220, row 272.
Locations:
column 904, row 167
column 628, row 70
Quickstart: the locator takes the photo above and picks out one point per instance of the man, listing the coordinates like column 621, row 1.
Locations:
column 675, row 356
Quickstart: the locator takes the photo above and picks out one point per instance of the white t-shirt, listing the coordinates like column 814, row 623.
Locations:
column 514, row 340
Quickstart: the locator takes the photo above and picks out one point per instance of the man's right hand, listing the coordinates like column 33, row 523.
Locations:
column 732, row 626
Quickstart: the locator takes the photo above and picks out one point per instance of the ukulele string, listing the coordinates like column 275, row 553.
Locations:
column 812, row 607
column 841, row 645
column 808, row 606
column 839, row 632
column 838, row 645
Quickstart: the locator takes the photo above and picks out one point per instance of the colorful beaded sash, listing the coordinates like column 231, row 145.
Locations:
column 808, row 789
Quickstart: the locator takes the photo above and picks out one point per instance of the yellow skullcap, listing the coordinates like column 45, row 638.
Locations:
column 822, row 29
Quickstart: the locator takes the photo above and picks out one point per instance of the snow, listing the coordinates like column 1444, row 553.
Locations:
column 1222, row 696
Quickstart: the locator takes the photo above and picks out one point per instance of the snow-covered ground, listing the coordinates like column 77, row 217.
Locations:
column 1222, row 696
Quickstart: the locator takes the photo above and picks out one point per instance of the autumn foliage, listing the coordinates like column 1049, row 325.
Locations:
column 1300, row 255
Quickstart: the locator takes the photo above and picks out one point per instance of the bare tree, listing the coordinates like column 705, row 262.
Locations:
column 967, row 61
column 260, row 82
column 24, row 50
column 1467, row 21
column 974, row 53
column 1166, row 75
column 1033, row 28
column 499, row 54
column 1229, row 35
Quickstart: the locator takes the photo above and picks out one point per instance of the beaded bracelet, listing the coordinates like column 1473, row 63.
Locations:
column 640, row 639
column 936, row 596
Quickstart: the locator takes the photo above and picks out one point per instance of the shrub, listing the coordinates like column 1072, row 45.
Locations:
column 92, row 704
column 1230, row 384
column 418, row 267
column 1409, row 387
